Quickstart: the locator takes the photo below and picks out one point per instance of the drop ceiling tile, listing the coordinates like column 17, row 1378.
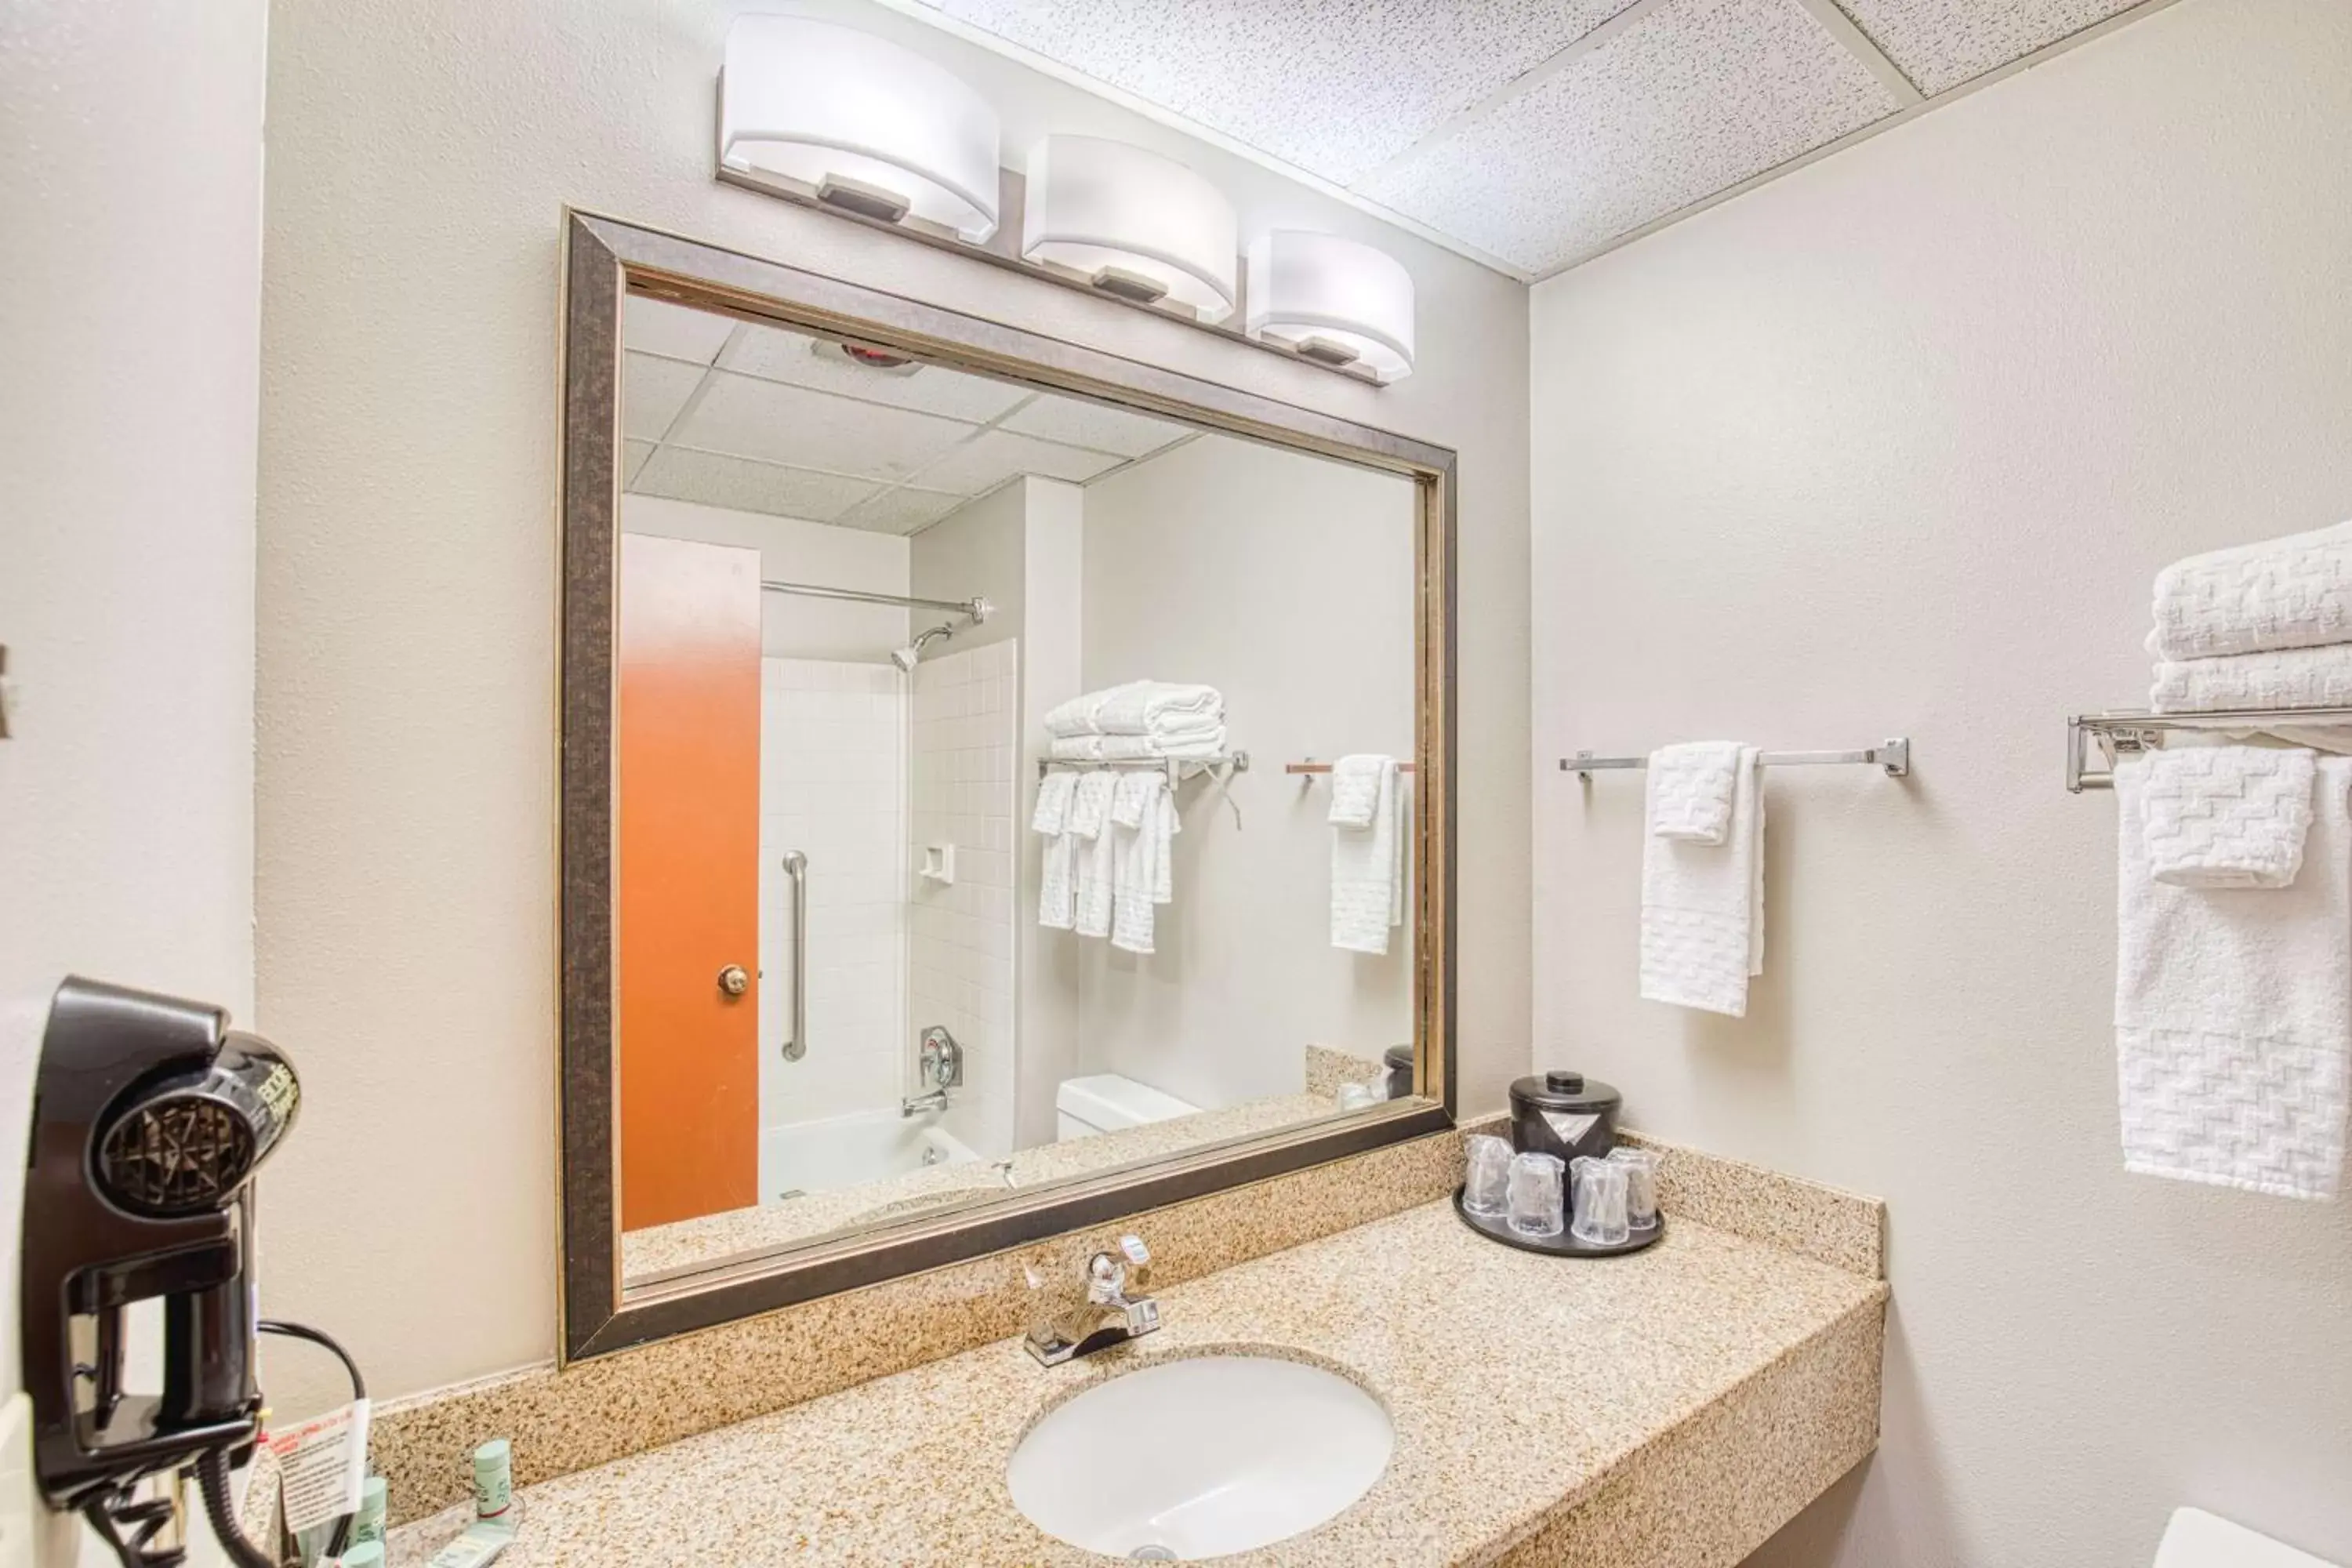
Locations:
column 1940, row 43
column 672, row 332
column 742, row 484
column 1082, row 424
column 775, row 354
column 1693, row 98
column 904, row 509
column 652, row 391
column 1334, row 86
column 990, row 459
column 745, row 417
column 633, row 458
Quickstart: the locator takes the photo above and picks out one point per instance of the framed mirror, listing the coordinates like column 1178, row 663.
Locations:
column 1004, row 786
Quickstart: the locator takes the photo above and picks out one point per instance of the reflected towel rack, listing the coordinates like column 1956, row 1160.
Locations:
column 1894, row 755
column 1311, row 766
column 1178, row 768
column 2127, row 733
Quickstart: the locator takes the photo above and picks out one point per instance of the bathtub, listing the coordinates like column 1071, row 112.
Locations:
column 850, row 1151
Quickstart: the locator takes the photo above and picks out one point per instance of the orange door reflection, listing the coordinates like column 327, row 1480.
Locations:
column 687, row 772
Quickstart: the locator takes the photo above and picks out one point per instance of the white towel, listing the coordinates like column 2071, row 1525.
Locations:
column 1096, row 855
column 1367, row 872
column 1080, row 714
column 2233, row 1010
column 2289, row 677
column 1355, row 789
column 1142, row 838
column 1690, row 790
column 1703, row 907
column 1158, row 707
column 1054, row 794
column 2227, row 817
column 2295, row 592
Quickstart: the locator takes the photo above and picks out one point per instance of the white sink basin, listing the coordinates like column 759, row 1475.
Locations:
column 1200, row 1457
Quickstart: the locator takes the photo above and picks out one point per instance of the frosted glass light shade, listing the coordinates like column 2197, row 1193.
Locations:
column 1330, row 299
column 813, row 101
column 1133, row 220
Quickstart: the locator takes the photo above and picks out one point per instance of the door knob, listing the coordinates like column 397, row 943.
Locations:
column 734, row 980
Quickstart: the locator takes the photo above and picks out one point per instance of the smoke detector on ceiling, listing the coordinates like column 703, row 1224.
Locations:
column 865, row 356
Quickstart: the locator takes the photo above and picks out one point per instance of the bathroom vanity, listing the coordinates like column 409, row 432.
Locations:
column 1672, row 1408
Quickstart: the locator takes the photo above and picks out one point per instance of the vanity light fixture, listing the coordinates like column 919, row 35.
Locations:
column 859, row 123
column 1332, row 300
column 1133, row 224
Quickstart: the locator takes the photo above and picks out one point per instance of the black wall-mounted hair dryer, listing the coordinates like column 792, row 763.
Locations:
column 150, row 1118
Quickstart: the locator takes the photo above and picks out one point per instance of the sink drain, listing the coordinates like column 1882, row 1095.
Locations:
column 1154, row 1553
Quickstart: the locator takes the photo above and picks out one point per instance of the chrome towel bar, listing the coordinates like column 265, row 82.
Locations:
column 1894, row 755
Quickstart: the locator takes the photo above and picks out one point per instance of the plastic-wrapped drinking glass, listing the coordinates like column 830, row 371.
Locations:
column 1536, row 1196
column 1641, row 1184
column 1600, row 1204
column 1490, row 1167
column 1576, row 1169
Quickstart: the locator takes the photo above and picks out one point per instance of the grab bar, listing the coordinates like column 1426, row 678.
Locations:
column 796, row 1043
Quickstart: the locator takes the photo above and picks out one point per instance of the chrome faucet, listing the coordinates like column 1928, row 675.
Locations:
column 1106, row 1315
column 942, row 1067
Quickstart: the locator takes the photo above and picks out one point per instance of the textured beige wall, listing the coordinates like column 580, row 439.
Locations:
column 420, row 155
column 1894, row 445
column 1286, row 582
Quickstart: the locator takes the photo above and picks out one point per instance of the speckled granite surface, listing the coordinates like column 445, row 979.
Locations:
column 598, row 1410
column 1672, row 1407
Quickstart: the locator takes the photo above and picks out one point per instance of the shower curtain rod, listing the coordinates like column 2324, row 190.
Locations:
column 976, row 606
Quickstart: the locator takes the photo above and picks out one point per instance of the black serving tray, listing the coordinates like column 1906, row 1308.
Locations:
column 1564, row 1245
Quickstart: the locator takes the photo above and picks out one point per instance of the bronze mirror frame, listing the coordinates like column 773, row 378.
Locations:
column 604, row 258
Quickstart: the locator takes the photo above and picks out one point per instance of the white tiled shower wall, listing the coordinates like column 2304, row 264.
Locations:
column 961, row 754
column 832, row 741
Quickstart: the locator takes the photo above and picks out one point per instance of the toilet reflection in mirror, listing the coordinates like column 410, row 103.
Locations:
column 954, row 850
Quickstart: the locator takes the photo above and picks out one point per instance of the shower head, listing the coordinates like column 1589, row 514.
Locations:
column 906, row 658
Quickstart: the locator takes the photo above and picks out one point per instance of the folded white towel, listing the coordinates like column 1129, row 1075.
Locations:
column 1703, row 907
column 2295, row 592
column 1096, row 854
column 2228, row 816
column 1080, row 715
column 1367, row 871
column 2234, row 1009
column 1159, row 707
column 1690, row 790
column 2287, row 677
column 1057, row 883
column 1355, row 789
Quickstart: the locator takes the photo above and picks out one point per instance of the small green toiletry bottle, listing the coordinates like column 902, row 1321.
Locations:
column 493, row 1479
column 368, row 1523
column 366, row 1554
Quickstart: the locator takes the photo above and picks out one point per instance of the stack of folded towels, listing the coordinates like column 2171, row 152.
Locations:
column 2259, row 625
column 2233, row 984
column 1109, row 860
column 1139, row 721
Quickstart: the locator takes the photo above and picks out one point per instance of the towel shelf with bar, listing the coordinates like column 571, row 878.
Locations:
column 1178, row 768
column 1894, row 755
column 2123, row 732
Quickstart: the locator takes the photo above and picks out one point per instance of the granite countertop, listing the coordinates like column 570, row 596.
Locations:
column 1672, row 1407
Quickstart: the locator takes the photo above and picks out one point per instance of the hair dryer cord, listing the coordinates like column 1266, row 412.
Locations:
column 212, row 1480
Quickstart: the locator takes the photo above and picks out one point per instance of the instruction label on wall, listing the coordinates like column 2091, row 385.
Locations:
column 322, row 1463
